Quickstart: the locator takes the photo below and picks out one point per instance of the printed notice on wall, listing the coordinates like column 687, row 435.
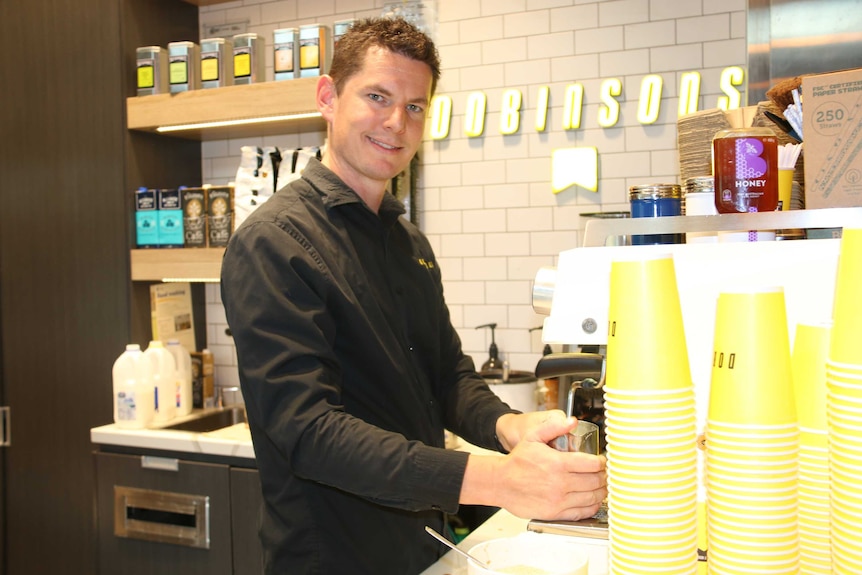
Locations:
column 171, row 313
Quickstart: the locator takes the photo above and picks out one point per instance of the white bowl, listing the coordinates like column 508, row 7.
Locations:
column 530, row 553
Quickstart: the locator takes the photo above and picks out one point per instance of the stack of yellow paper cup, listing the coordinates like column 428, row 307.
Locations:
column 808, row 361
column 650, row 424
column 844, row 408
column 752, row 439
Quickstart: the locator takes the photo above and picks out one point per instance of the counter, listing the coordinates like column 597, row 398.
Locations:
column 504, row 524
column 235, row 441
column 231, row 441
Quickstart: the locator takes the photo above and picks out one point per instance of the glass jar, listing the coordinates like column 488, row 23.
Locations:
column 653, row 201
column 745, row 164
column 699, row 200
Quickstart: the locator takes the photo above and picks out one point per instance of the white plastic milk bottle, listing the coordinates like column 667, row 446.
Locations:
column 134, row 397
column 183, row 359
column 164, row 380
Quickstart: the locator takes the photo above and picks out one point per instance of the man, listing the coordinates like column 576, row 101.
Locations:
column 349, row 365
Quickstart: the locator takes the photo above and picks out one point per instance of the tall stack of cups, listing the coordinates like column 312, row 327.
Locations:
column 808, row 362
column 752, row 439
column 650, row 424
column 844, row 408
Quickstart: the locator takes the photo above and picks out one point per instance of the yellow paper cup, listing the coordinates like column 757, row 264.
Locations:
column 753, row 428
column 815, row 438
column 847, row 305
column 776, row 535
column 751, row 375
column 648, row 394
column 719, row 569
column 635, row 501
column 662, row 446
column 647, row 536
column 649, row 424
column 645, row 487
column 649, row 413
column 751, row 485
column 646, row 348
column 808, row 364
column 770, row 514
column 844, row 368
column 846, row 389
column 620, row 565
column 685, row 399
column 683, row 553
column 785, row 188
column 658, row 472
column 715, row 441
column 752, row 460
column 778, row 548
column 631, row 462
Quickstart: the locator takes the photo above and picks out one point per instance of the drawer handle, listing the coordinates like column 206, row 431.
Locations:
column 5, row 426
column 162, row 516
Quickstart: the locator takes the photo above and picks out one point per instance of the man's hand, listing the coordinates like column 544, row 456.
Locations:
column 535, row 481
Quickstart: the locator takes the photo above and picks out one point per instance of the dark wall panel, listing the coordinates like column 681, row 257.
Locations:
column 65, row 295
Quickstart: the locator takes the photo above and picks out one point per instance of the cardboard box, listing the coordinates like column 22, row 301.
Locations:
column 194, row 202
column 171, row 313
column 146, row 218
column 219, row 215
column 203, row 379
column 170, row 218
column 832, row 130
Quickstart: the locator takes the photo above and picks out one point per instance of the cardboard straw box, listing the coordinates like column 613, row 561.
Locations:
column 832, row 131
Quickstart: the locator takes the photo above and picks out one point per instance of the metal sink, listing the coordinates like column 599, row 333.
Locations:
column 211, row 420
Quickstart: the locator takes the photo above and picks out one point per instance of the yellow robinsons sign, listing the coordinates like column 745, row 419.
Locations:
column 579, row 165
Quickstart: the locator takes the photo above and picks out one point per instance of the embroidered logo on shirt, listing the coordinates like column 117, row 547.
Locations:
column 425, row 263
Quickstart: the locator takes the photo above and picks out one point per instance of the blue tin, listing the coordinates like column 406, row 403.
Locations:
column 655, row 201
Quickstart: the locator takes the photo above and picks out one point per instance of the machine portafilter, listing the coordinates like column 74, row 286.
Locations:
column 585, row 375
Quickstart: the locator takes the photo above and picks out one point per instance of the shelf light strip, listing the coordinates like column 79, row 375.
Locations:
column 192, row 280
column 223, row 123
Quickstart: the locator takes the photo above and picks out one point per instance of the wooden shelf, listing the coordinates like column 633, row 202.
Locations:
column 244, row 102
column 207, row 2
column 200, row 264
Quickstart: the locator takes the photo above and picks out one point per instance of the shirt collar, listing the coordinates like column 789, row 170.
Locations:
column 336, row 193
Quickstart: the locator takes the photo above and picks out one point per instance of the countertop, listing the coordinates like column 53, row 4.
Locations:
column 504, row 524
column 232, row 441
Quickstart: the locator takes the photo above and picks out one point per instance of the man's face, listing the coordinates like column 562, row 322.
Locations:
column 378, row 121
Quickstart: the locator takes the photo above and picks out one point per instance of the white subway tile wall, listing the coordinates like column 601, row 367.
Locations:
column 486, row 202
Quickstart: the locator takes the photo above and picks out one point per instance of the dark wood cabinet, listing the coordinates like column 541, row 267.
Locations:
column 67, row 168
column 169, row 516
column 246, row 503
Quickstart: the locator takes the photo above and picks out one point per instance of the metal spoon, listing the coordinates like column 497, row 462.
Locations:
column 451, row 545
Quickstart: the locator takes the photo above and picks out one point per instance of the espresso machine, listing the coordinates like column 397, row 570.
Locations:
column 574, row 297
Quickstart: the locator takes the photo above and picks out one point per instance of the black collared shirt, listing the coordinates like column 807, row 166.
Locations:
column 351, row 370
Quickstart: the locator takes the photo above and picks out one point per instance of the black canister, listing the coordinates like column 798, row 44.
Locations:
column 653, row 201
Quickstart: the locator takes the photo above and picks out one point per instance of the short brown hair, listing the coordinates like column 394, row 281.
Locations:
column 394, row 34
